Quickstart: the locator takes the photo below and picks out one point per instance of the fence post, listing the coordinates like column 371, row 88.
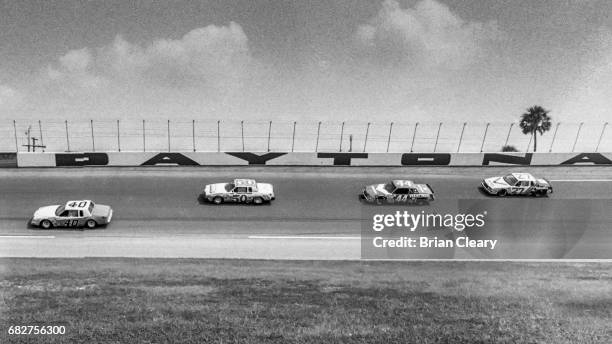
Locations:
column 437, row 136
column 67, row 139
column 484, row 137
column 598, row 142
column 293, row 140
column 93, row 140
column 168, row 135
column 577, row 134
column 41, row 135
column 193, row 133
column 318, row 132
column 15, row 129
column 389, row 138
column 218, row 136
column 242, row 133
column 118, row 137
column 341, row 136
column 509, row 131
column 365, row 141
column 269, row 132
column 461, row 137
column 414, row 136
column 554, row 136
column 144, row 141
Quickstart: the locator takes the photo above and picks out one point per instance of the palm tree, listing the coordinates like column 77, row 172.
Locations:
column 535, row 120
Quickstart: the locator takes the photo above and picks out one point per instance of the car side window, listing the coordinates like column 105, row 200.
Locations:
column 249, row 190
column 525, row 183
column 240, row 189
column 65, row 213
column 80, row 213
column 73, row 213
column 401, row 191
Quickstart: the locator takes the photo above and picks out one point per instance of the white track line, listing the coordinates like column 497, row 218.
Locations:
column 581, row 180
column 290, row 237
column 27, row 236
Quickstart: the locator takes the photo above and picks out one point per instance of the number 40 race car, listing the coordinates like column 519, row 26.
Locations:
column 73, row 214
column 240, row 191
column 517, row 184
column 397, row 191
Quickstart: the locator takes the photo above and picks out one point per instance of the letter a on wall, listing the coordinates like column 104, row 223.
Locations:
column 170, row 159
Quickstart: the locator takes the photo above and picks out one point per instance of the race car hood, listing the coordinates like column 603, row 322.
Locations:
column 496, row 182
column 543, row 182
column 101, row 210
column 48, row 211
column 218, row 188
column 265, row 188
column 423, row 188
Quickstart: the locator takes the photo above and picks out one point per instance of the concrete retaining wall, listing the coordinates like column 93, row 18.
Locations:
column 305, row 159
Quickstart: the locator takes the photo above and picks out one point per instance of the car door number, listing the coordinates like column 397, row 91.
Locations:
column 71, row 223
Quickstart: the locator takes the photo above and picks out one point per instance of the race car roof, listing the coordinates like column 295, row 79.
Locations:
column 402, row 183
column 77, row 204
column 245, row 182
column 523, row 176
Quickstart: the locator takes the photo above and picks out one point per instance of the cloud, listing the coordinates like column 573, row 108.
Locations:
column 211, row 57
column 9, row 96
column 590, row 97
column 428, row 34
column 75, row 71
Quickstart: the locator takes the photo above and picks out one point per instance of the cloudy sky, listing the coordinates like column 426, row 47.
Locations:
column 402, row 60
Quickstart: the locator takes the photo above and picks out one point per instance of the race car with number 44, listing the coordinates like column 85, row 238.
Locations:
column 83, row 213
column 397, row 191
column 517, row 184
column 239, row 191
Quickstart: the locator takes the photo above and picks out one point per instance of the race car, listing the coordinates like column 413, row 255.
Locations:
column 397, row 191
column 517, row 184
column 82, row 213
column 239, row 191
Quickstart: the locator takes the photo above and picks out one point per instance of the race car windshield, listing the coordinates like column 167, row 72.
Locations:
column 389, row 187
column 59, row 210
column 510, row 179
column 229, row 187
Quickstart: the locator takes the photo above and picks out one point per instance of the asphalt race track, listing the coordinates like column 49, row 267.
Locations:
column 316, row 214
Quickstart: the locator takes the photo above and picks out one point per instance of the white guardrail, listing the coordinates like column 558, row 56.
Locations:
column 307, row 159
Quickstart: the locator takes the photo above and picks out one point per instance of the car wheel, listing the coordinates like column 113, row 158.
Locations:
column 91, row 224
column 46, row 224
column 502, row 193
column 257, row 200
column 217, row 200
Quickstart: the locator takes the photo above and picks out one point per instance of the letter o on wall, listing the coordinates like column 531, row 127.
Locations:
column 438, row 159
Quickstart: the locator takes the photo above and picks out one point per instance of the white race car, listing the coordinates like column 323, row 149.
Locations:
column 240, row 191
column 397, row 191
column 73, row 214
column 517, row 184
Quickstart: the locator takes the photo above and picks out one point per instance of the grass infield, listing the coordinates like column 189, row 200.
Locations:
column 250, row 301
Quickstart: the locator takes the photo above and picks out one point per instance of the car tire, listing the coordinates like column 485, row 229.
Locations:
column 502, row 193
column 91, row 224
column 46, row 224
column 257, row 200
column 217, row 200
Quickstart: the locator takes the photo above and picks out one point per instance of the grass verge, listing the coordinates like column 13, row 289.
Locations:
column 250, row 301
